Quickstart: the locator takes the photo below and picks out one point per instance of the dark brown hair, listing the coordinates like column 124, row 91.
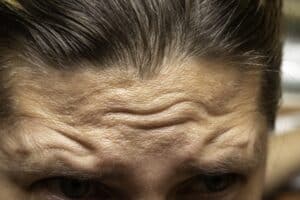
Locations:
column 145, row 33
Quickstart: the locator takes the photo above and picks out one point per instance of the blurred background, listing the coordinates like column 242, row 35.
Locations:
column 289, row 115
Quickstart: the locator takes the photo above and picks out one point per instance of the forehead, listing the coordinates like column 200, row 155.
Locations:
column 118, row 111
column 218, row 87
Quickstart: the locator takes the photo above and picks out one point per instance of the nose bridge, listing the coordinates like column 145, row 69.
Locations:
column 151, row 196
column 153, row 178
column 150, row 193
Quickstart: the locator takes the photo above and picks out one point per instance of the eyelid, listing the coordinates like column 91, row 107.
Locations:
column 29, row 180
column 53, row 177
column 51, row 186
column 222, row 166
column 195, row 170
column 188, row 184
column 239, row 177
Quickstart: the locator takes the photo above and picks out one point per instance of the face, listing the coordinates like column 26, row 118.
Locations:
column 190, row 132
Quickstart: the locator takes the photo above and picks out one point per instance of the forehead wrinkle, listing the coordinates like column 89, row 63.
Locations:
column 151, row 115
column 67, row 99
column 33, row 135
column 219, row 87
column 234, row 122
column 81, row 153
column 91, row 109
column 37, row 100
column 209, row 85
column 245, row 141
column 116, row 102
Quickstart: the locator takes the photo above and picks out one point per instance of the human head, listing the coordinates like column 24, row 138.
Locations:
column 130, row 43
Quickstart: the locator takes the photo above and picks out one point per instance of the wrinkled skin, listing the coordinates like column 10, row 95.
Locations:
column 144, row 139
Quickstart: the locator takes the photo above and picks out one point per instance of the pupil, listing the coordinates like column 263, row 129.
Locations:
column 74, row 188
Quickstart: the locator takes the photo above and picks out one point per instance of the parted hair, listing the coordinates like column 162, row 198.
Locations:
column 146, row 34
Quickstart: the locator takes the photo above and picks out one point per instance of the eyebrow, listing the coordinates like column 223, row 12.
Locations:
column 108, row 172
column 118, row 171
column 227, row 164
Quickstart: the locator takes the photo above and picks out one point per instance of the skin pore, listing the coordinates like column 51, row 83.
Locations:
column 172, row 136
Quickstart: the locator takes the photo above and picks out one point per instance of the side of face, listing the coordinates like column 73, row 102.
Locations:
column 191, row 132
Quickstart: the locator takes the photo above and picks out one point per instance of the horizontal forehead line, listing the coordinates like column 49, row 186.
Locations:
column 91, row 93
column 170, row 105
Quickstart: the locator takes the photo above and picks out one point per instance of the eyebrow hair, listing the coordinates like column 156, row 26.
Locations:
column 118, row 171
column 111, row 171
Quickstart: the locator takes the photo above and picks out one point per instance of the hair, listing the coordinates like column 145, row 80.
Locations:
column 146, row 34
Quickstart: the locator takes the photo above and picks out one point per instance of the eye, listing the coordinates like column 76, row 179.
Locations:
column 209, row 186
column 72, row 189
column 218, row 183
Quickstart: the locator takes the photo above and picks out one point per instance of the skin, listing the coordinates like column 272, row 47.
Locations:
column 143, row 138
